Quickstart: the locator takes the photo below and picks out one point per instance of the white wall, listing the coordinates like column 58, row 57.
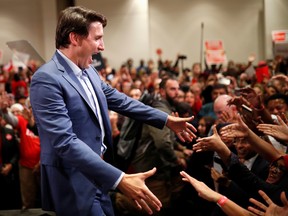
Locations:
column 20, row 20
column 49, row 22
column 177, row 27
column 136, row 28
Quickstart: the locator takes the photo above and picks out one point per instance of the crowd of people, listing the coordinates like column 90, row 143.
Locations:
column 215, row 99
column 239, row 150
column 188, row 92
column 20, row 144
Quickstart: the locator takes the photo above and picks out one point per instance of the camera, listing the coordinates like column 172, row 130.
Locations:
column 182, row 57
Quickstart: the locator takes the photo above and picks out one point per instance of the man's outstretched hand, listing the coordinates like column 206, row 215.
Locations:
column 182, row 127
column 133, row 186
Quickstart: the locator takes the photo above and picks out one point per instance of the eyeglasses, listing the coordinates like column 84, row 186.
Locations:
column 279, row 167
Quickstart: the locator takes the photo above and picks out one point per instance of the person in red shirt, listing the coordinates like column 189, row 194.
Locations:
column 22, row 120
column 19, row 87
column 262, row 73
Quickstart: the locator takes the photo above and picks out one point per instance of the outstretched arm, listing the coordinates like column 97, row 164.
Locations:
column 255, row 113
column 213, row 143
column 278, row 131
column 229, row 207
column 240, row 129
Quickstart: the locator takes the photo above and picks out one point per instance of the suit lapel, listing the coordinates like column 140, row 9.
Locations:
column 71, row 78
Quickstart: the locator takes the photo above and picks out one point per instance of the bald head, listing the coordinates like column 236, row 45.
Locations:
column 221, row 105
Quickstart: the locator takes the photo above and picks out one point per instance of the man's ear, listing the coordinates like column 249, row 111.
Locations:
column 74, row 38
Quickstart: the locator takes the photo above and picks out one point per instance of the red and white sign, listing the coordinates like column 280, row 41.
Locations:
column 215, row 53
column 280, row 43
column 280, row 36
column 214, row 45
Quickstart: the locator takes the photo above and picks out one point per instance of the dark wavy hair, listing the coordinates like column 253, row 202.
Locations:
column 75, row 19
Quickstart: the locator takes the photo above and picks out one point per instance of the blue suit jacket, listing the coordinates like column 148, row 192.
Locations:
column 72, row 172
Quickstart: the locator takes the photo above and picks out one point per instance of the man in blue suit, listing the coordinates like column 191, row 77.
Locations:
column 70, row 103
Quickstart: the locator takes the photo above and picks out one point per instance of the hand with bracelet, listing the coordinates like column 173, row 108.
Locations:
column 229, row 207
column 232, row 209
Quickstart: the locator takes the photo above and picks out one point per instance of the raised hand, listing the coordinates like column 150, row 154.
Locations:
column 239, row 129
column 203, row 190
column 213, row 143
column 281, row 77
column 251, row 115
column 272, row 209
column 210, row 143
column 251, row 96
column 279, row 131
column 227, row 117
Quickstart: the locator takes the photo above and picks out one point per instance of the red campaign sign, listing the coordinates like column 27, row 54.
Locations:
column 280, row 36
column 215, row 53
column 214, row 45
column 215, row 56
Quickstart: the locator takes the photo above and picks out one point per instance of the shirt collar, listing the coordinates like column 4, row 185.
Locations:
column 250, row 161
column 76, row 70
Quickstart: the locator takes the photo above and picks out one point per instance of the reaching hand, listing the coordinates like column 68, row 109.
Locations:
column 235, row 130
column 215, row 174
column 211, row 143
column 188, row 152
column 133, row 186
column 203, row 190
column 251, row 96
column 280, row 77
column 227, row 117
column 238, row 101
column 252, row 113
column 6, row 169
column 279, row 131
column 272, row 209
